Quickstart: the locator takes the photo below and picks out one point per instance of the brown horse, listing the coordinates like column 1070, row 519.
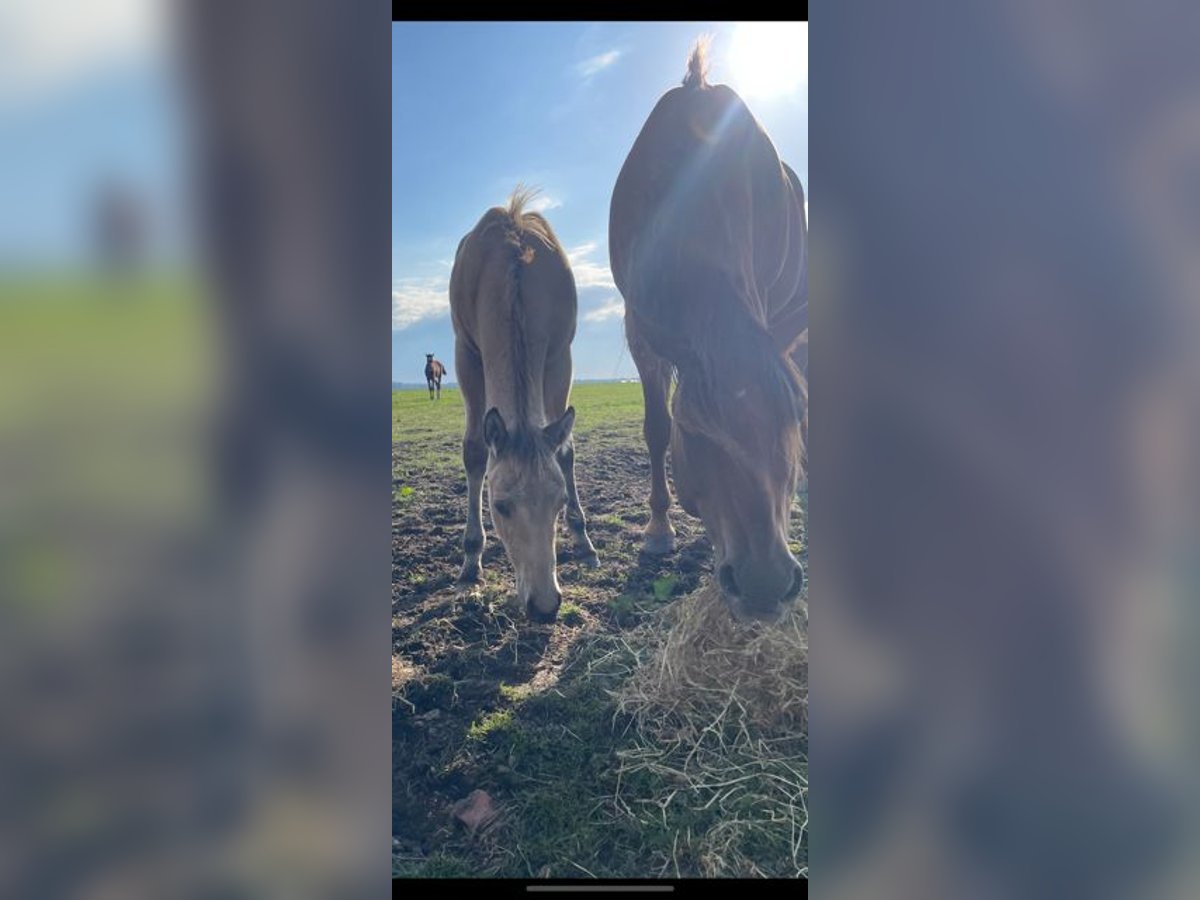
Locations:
column 708, row 245
column 513, row 305
column 434, row 371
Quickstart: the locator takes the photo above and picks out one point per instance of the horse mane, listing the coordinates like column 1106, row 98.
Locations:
column 522, row 222
column 723, row 360
column 697, row 67
column 519, row 225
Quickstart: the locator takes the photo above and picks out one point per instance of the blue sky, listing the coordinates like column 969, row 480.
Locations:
column 51, row 174
column 478, row 107
column 87, row 93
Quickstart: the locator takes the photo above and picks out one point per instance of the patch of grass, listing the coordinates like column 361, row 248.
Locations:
column 572, row 807
column 440, row 865
column 612, row 520
column 612, row 408
column 664, row 586
column 625, row 608
column 405, row 492
column 515, row 693
column 570, row 613
column 561, row 782
column 559, row 758
column 492, row 723
column 631, row 607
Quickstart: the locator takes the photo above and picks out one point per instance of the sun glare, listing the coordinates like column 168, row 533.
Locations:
column 769, row 59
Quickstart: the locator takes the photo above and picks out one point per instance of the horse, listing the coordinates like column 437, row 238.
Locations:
column 708, row 247
column 434, row 371
column 513, row 307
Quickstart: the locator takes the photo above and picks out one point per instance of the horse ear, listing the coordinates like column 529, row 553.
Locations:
column 557, row 433
column 495, row 434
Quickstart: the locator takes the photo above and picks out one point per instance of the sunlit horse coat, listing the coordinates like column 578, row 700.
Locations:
column 708, row 245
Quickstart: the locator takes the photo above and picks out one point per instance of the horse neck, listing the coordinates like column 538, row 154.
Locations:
column 516, row 392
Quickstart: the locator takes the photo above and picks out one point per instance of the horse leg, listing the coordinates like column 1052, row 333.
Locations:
column 659, row 536
column 557, row 383
column 429, row 384
column 575, row 518
column 469, row 367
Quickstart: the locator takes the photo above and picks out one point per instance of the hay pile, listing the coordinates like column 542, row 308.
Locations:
column 719, row 714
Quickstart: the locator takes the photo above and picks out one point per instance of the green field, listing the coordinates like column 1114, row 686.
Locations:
column 103, row 389
column 610, row 410
column 429, row 433
column 485, row 700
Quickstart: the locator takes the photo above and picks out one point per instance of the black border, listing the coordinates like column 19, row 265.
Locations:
column 701, row 11
column 516, row 887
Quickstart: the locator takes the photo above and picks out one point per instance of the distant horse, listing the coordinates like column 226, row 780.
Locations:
column 120, row 227
column 708, row 245
column 513, row 305
column 434, row 371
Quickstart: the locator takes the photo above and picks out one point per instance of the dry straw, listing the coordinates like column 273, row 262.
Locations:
column 719, row 714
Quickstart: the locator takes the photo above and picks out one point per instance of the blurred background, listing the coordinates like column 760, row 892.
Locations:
column 194, row 449
column 194, row 384
column 1004, row 363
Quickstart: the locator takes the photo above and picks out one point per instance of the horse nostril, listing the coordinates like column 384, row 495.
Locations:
column 728, row 582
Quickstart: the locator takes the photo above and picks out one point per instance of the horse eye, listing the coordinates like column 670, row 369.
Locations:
column 503, row 507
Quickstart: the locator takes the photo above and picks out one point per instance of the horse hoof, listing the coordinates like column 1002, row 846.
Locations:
column 592, row 561
column 659, row 544
column 469, row 576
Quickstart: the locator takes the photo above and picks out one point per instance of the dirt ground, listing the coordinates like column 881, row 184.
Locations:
column 485, row 700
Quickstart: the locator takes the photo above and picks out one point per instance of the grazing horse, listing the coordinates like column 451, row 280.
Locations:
column 434, row 371
column 513, row 305
column 708, row 246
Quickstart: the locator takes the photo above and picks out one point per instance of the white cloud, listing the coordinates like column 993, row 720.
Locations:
column 588, row 272
column 609, row 309
column 598, row 63
column 543, row 202
column 417, row 299
column 51, row 46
